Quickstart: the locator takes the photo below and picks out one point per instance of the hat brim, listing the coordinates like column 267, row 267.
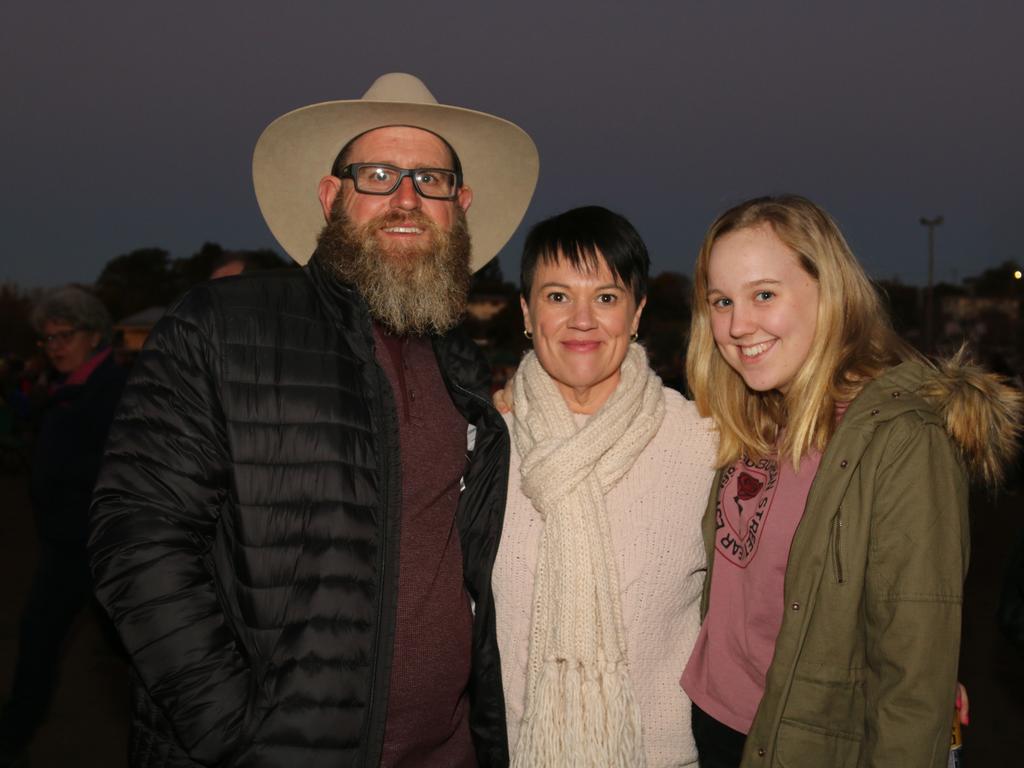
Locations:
column 499, row 161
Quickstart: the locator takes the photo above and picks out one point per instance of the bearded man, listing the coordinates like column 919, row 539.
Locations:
column 304, row 486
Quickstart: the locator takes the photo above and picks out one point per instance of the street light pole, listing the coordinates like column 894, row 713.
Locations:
column 928, row 310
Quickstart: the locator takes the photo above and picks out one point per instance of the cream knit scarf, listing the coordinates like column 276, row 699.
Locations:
column 580, row 706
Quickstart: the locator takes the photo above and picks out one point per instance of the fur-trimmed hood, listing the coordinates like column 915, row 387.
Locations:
column 981, row 411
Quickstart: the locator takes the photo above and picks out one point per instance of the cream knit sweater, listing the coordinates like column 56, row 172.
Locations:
column 655, row 527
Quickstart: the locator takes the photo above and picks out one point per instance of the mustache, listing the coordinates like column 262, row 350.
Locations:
column 398, row 218
column 395, row 217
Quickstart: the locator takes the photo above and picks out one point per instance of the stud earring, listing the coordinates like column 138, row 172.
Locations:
column 634, row 336
column 527, row 334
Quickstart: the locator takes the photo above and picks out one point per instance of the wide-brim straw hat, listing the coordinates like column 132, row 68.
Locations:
column 499, row 161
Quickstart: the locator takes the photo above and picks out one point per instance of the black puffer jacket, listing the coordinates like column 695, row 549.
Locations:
column 244, row 532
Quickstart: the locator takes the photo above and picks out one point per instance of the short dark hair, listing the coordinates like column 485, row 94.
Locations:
column 342, row 159
column 578, row 236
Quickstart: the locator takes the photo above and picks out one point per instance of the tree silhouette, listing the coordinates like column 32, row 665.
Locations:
column 197, row 267
column 138, row 280
column 148, row 277
column 489, row 279
column 16, row 333
column 664, row 326
column 998, row 282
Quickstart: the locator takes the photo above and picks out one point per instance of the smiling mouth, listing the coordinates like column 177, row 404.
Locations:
column 756, row 350
column 403, row 230
column 581, row 346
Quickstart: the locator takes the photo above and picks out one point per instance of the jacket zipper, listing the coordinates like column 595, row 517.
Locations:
column 474, row 395
column 381, row 581
column 837, row 529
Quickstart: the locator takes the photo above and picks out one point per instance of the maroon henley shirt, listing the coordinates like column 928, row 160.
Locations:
column 428, row 705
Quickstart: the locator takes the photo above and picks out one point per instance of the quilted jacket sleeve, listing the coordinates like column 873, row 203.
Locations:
column 916, row 567
column 154, row 515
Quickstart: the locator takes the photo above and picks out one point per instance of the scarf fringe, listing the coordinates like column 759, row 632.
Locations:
column 584, row 715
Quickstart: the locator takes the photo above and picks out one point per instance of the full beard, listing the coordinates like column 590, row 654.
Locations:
column 412, row 289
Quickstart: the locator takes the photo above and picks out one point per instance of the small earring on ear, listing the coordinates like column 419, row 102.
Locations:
column 527, row 334
column 634, row 336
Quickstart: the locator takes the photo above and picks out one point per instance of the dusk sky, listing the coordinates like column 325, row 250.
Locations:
column 132, row 124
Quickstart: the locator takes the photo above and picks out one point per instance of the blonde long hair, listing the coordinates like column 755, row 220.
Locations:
column 853, row 343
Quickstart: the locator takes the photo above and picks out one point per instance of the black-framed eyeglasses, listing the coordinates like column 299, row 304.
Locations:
column 60, row 338
column 383, row 179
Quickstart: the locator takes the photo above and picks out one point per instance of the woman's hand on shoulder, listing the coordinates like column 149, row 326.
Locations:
column 503, row 398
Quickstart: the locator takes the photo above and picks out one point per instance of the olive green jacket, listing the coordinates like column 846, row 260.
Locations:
column 864, row 671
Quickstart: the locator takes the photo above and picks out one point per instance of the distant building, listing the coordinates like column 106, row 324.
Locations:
column 989, row 323
column 967, row 309
column 131, row 332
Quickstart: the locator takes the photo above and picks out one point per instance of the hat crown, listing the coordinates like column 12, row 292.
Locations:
column 399, row 87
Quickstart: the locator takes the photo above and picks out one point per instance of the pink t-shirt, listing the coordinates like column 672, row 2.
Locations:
column 759, row 507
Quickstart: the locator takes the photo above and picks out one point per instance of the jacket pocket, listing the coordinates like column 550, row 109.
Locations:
column 805, row 746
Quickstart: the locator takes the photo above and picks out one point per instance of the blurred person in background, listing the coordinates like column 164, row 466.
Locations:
column 74, row 331
column 228, row 265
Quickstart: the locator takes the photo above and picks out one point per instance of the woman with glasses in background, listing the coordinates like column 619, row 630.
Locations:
column 75, row 332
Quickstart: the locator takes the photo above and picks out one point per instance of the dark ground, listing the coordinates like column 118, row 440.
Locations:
column 88, row 723
column 990, row 667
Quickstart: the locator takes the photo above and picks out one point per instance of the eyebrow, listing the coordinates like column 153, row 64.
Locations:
column 605, row 287
column 749, row 284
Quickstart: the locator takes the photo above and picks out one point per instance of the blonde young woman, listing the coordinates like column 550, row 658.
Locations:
column 836, row 534
column 600, row 567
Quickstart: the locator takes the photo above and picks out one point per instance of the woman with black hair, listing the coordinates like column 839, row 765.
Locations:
column 600, row 566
